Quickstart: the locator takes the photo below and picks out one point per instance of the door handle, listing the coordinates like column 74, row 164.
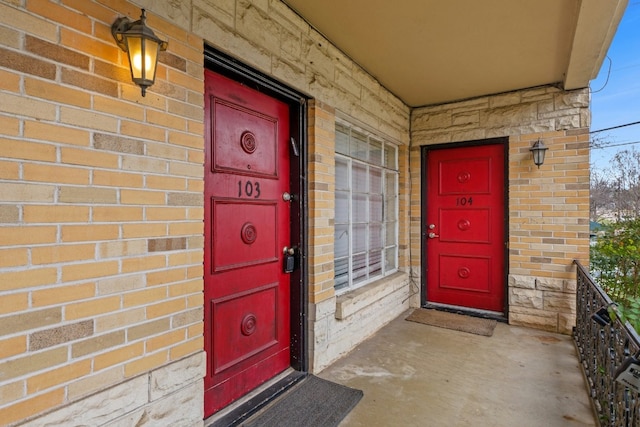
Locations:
column 288, row 197
column 289, row 262
column 433, row 235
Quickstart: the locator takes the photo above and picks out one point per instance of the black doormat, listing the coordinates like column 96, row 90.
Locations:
column 313, row 402
column 457, row 322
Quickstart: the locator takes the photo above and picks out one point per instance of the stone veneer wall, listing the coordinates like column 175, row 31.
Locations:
column 338, row 324
column 101, row 203
column 548, row 207
column 270, row 37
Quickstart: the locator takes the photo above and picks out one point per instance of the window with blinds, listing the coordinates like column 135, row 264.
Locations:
column 366, row 217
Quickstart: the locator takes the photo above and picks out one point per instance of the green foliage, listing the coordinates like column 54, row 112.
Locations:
column 615, row 261
column 628, row 312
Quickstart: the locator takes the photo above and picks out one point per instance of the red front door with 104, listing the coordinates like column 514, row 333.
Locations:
column 464, row 232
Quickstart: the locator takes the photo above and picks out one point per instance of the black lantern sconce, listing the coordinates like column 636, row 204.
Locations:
column 142, row 47
column 538, row 150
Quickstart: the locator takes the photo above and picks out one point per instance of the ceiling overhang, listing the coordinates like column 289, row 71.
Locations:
column 430, row 52
column 596, row 25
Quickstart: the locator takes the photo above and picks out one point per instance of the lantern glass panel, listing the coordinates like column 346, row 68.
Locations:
column 138, row 48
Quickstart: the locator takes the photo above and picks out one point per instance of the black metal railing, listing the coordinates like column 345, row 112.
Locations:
column 602, row 348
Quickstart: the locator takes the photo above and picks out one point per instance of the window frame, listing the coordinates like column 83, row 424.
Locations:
column 386, row 225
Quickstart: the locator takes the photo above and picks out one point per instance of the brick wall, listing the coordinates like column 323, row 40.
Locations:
column 101, row 213
column 338, row 324
column 101, row 203
column 548, row 207
column 321, row 134
column 549, row 225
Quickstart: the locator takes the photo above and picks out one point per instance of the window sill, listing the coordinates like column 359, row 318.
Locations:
column 351, row 302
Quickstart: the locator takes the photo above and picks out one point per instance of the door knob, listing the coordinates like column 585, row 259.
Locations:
column 433, row 235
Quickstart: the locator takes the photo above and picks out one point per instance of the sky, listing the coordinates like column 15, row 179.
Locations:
column 615, row 93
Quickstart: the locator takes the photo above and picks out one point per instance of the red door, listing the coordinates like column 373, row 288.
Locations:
column 246, row 308
column 465, row 227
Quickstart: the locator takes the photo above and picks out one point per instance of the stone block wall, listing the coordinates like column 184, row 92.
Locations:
column 548, row 207
column 101, row 208
column 549, row 227
column 337, row 324
column 158, row 397
column 270, row 37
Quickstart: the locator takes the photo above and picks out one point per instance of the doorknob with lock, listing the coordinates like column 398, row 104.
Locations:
column 289, row 263
column 431, row 234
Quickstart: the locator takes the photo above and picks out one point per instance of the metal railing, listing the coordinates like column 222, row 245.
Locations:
column 602, row 349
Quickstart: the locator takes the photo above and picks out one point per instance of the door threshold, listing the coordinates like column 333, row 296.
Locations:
column 475, row 312
column 254, row 401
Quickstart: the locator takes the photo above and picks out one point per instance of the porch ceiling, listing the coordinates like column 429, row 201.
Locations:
column 432, row 51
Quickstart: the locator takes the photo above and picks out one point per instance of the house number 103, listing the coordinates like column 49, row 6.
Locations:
column 249, row 189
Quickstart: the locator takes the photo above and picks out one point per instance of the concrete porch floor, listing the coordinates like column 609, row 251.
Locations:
column 419, row 375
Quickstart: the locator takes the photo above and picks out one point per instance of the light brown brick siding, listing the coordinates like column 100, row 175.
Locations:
column 548, row 207
column 321, row 200
column 101, row 208
column 91, row 176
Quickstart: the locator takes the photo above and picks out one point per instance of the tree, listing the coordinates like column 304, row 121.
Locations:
column 615, row 192
column 601, row 196
column 615, row 257
column 615, row 260
column 626, row 169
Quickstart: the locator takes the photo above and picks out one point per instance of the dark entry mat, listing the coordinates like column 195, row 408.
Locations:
column 457, row 322
column 314, row 402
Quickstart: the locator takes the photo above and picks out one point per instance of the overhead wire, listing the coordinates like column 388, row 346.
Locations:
column 616, row 127
column 612, row 127
column 607, row 80
column 600, row 147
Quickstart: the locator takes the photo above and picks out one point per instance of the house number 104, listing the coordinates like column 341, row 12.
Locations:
column 464, row 201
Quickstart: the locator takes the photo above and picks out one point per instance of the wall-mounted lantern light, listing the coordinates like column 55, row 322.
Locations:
column 142, row 47
column 538, row 150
